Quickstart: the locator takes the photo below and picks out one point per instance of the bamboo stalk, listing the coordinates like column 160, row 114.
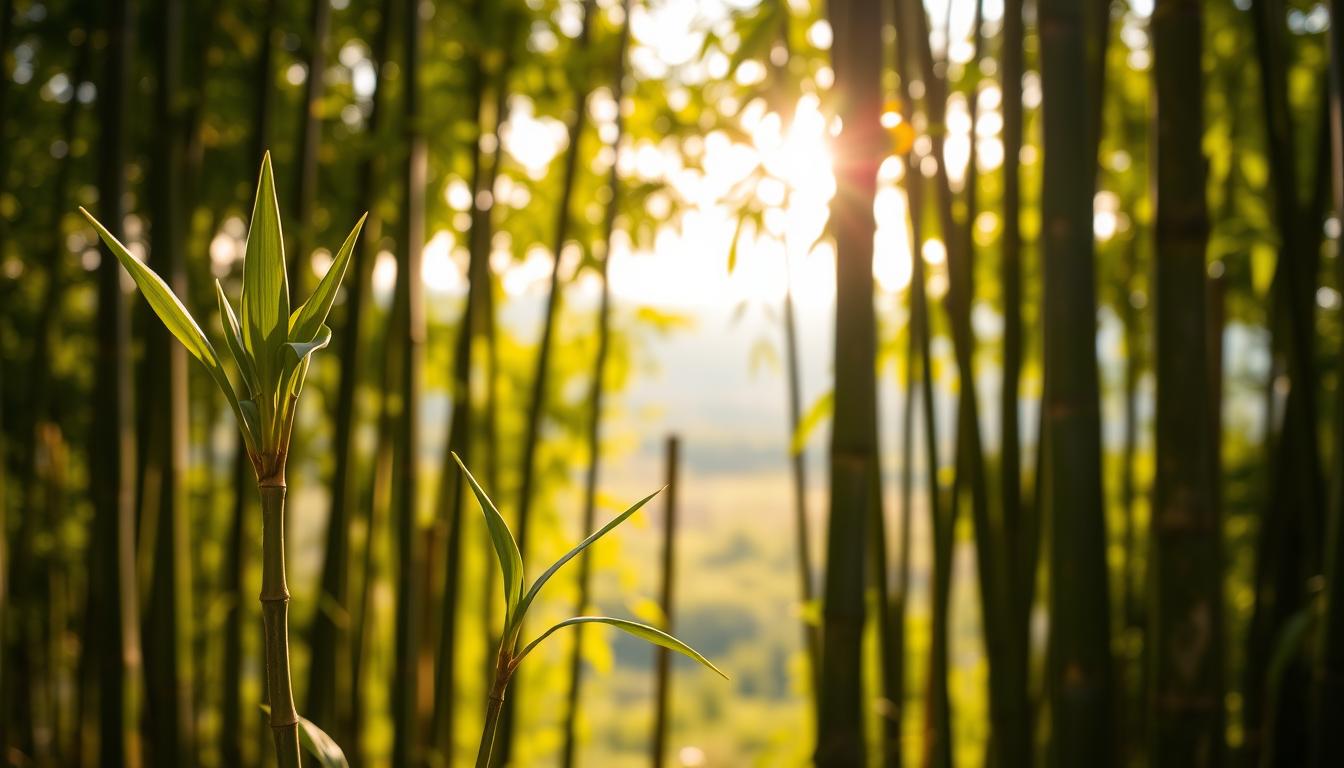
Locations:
column 6, row 30
column 168, row 620
column 1186, row 697
column 856, row 59
column 461, row 420
column 1276, row 724
column 1329, row 694
column 284, row 719
column 329, row 701
column 113, row 438
column 536, row 402
column 405, row 682
column 494, row 707
column 596, row 391
column 1079, row 676
column 663, row 657
column 781, row 97
column 309, row 140
column 969, row 468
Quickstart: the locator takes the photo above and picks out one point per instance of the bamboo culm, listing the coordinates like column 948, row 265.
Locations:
column 284, row 719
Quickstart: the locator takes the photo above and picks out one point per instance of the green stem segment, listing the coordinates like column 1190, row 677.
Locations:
column 503, row 671
column 275, row 616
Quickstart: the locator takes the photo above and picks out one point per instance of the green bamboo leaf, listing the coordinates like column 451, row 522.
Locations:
column 265, row 284
column 506, row 549
column 249, row 414
column 642, row 631
column 322, row 747
column 296, row 363
column 235, row 339
column 599, row 533
column 302, row 350
column 174, row 316
column 307, row 320
column 316, row 741
column 819, row 411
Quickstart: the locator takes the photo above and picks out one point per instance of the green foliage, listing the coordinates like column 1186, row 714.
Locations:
column 271, row 348
column 175, row 318
column 516, row 604
column 641, row 631
column 317, row 743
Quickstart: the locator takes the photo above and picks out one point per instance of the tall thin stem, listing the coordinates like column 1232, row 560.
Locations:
column 494, row 705
column 275, row 615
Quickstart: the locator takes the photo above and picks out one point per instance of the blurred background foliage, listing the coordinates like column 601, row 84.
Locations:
column 722, row 156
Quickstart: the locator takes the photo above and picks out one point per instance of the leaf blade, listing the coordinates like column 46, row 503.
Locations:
column 174, row 316
column 308, row 318
column 571, row 554
column 506, row 549
column 234, row 337
column 321, row 746
column 642, row 631
column 265, row 283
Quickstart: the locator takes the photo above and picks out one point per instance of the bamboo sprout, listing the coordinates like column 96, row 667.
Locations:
column 272, row 349
column 518, row 600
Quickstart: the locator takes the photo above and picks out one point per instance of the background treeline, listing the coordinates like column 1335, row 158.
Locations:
column 1115, row 367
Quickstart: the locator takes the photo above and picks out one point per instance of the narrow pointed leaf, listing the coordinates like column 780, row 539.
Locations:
column 265, row 284
column 317, row 743
column 506, row 549
column 642, row 631
column 174, row 316
column 303, row 349
column 297, row 357
column 603, row 531
column 249, row 415
column 322, row 747
column 234, row 337
column 307, row 320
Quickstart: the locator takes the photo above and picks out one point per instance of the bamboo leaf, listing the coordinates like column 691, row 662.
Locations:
column 819, row 411
column 316, row 741
column 570, row 555
column 235, row 340
column 303, row 349
column 296, row 363
column 307, row 320
column 322, row 747
column 174, row 316
column 506, row 549
column 265, row 284
column 642, row 631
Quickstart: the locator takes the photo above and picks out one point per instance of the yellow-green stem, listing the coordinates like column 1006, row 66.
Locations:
column 275, row 616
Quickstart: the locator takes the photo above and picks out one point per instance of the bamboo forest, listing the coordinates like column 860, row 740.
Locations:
column 685, row 383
